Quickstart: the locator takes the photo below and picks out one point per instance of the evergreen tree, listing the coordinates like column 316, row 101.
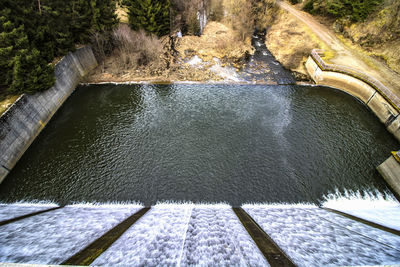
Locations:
column 356, row 10
column 149, row 15
column 104, row 15
column 81, row 20
column 23, row 69
column 12, row 39
column 31, row 73
column 32, row 33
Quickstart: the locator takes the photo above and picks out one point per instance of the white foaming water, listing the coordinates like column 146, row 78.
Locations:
column 216, row 237
column 227, row 73
column 156, row 239
column 54, row 236
column 195, row 61
column 279, row 206
column 107, row 205
column 374, row 207
column 196, row 234
column 282, row 119
column 184, row 234
column 11, row 211
column 283, row 116
column 314, row 237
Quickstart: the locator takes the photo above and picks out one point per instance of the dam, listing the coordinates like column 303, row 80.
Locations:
column 172, row 174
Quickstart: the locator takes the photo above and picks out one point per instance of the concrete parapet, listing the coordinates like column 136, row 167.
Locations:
column 25, row 119
column 382, row 109
column 386, row 112
column 390, row 170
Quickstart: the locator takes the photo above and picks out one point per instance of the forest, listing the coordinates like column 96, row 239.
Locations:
column 34, row 34
column 355, row 10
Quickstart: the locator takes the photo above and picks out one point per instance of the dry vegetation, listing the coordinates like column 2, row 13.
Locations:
column 291, row 42
column 240, row 18
column 6, row 102
column 140, row 56
column 265, row 12
column 217, row 41
column 136, row 49
column 379, row 35
column 122, row 13
column 147, row 58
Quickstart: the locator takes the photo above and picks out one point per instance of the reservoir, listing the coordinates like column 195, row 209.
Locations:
column 202, row 143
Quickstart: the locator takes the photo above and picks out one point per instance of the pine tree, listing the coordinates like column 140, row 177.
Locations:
column 23, row 69
column 149, row 15
column 81, row 18
column 12, row 39
column 107, row 17
column 32, row 33
column 31, row 73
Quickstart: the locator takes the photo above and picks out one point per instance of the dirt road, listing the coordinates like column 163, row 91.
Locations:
column 344, row 55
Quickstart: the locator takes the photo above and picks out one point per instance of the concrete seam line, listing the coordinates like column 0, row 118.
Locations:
column 366, row 222
column 90, row 253
column 353, row 231
column 271, row 251
column 369, row 100
column 27, row 216
column 4, row 167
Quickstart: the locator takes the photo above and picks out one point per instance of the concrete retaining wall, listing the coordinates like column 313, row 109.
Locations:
column 25, row 119
column 390, row 170
column 384, row 110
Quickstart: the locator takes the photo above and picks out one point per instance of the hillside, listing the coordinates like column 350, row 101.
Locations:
column 379, row 34
column 364, row 45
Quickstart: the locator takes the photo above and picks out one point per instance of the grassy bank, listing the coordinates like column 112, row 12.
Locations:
column 6, row 101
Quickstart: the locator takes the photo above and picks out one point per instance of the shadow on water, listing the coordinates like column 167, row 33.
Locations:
column 202, row 143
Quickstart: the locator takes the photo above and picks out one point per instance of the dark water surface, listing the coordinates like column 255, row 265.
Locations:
column 202, row 143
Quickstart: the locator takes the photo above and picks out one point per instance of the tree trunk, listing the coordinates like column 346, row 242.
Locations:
column 40, row 9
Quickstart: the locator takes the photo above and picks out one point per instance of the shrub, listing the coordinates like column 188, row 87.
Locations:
column 186, row 11
column 264, row 12
column 216, row 10
column 309, row 6
column 355, row 10
column 240, row 15
column 136, row 48
column 193, row 24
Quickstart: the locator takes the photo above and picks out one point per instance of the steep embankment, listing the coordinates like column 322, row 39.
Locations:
column 291, row 41
column 294, row 33
column 379, row 34
column 218, row 41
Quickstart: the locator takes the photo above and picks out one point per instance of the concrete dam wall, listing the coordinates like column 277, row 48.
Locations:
column 383, row 103
column 26, row 118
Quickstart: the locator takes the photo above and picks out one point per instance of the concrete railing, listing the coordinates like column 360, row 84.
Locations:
column 377, row 85
column 376, row 96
